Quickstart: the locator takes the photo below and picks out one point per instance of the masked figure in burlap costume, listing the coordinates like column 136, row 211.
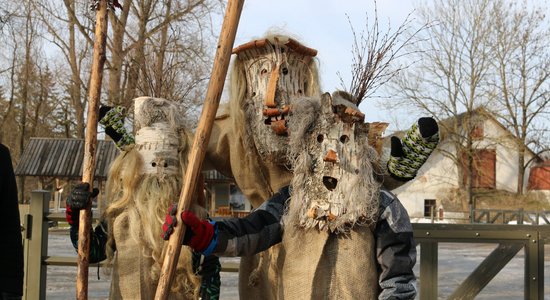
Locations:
column 250, row 137
column 344, row 237
column 143, row 182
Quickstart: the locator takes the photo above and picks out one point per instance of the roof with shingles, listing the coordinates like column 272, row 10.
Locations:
column 62, row 158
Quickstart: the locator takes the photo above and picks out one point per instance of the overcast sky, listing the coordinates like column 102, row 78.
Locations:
column 323, row 25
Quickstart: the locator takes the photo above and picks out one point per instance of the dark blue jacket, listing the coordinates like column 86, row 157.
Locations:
column 395, row 246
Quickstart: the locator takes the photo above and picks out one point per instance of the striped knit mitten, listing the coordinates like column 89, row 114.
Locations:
column 408, row 156
column 113, row 120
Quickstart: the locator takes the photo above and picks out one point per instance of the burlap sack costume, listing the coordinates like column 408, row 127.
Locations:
column 143, row 182
column 328, row 248
column 249, row 139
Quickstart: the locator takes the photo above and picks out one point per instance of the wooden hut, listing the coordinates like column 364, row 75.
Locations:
column 53, row 161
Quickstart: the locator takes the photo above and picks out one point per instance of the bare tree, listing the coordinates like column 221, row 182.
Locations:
column 9, row 106
column 521, row 81
column 153, row 46
column 448, row 80
column 164, row 49
column 374, row 54
column 71, row 36
column 26, row 96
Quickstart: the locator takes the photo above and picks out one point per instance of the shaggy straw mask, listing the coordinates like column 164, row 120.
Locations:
column 333, row 187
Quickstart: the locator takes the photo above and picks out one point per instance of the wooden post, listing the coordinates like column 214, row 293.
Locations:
column 200, row 142
column 88, row 165
column 36, row 246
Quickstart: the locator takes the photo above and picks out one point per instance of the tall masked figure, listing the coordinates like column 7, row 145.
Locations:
column 143, row 182
column 250, row 138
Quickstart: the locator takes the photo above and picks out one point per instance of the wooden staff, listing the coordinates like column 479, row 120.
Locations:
column 88, row 165
column 200, row 142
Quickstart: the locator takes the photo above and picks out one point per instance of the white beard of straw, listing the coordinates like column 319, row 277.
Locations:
column 335, row 193
column 145, row 180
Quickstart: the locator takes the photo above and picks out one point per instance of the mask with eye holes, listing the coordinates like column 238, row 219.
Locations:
column 272, row 73
column 333, row 185
column 158, row 136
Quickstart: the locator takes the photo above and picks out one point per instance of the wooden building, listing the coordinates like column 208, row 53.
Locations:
column 56, row 163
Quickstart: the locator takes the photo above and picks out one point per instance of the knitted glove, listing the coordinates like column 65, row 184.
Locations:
column 199, row 234
column 408, row 156
column 80, row 198
column 113, row 120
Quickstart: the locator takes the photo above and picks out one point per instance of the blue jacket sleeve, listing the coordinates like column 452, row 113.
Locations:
column 395, row 249
column 254, row 233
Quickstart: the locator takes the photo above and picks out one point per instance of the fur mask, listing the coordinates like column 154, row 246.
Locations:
column 333, row 187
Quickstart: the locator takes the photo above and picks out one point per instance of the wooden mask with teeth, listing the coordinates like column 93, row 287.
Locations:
column 278, row 70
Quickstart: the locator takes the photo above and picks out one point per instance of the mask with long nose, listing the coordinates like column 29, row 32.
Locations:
column 278, row 70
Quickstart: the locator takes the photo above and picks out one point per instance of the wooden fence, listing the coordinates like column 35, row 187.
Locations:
column 508, row 239
column 520, row 216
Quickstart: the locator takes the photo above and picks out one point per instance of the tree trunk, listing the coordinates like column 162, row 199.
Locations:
column 117, row 55
column 521, row 170
column 158, row 80
column 25, row 91
column 7, row 114
column 88, row 164
column 138, row 62
column 74, row 87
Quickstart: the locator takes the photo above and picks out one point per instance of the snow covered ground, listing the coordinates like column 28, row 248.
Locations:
column 456, row 262
column 61, row 280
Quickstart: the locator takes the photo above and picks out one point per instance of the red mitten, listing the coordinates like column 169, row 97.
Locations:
column 199, row 233
column 169, row 222
column 72, row 216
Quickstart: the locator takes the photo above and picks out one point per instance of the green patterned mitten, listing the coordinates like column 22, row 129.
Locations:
column 113, row 120
column 408, row 156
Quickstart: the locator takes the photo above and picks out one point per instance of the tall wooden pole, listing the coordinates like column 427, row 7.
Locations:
column 88, row 165
column 200, row 142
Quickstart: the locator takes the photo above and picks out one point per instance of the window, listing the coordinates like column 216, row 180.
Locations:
column 429, row 204
column 477, row 132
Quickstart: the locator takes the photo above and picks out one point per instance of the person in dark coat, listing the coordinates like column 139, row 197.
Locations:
column 11, row 253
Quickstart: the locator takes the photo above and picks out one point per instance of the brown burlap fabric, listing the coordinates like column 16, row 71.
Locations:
column 313, row 264
column 258, row 180
column 133, row 266
column 322, row 265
